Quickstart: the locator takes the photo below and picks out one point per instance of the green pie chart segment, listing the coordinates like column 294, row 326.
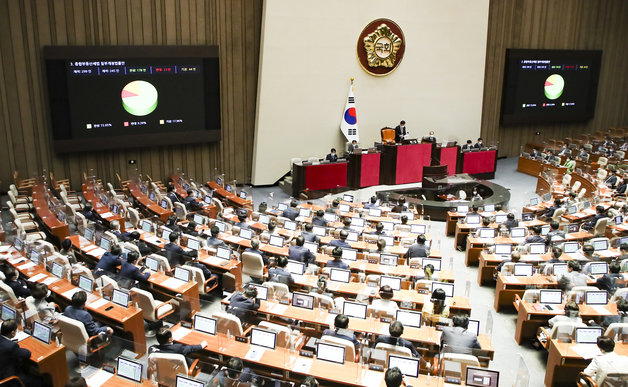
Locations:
column 139, row 98
column 554, row 85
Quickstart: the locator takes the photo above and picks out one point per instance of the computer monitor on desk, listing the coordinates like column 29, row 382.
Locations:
column 472, row 219
column 349, row 254
column 42, row 332
column 597, row 268
column 503, row 249
column 536, row 248
column 276, row 241
column 246, row 233
column 147, row 226
column 302, row 300
column 263, row 218
column 182, row 274
column 330, row 352
column 223, row 253
column 263, row 338
column 501, row 218
column 222, row 226
column 340, row 275
column 480, row 377
column 182, row 381
column 551, row 296
column 559, row 269
column 523, row 269
column 8, row 313
column 295, row 267
column 418, row 228
column 393, row 282
column 388, row 259
column 462, row 209
column 486, row 233
column 517, row 232
column 407, row 365
column 352, row 236
column 262, row 291
column 409, row 318
column 571, row 247
column 588, row 335
column 489, row 207
column 120, row 297
column 313, row 247
column 596, row 297
column 474, row 327
column 354, row 309
column 375, row 212
column 193, row 244
column 291, row 226
column 347, row 198
column 304, row 212
column 129, row 370
column 319, row 231
column 600, row 244
column 105, row 243
column 447, row 287
column 205, row 324
column 436, row 262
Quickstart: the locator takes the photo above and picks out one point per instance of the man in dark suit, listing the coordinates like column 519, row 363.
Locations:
column 555, row 232
column 400, row 132
column 599, row 214
column 550, row 211
column 418, row 250
column 334, row 207
column 213, row 240
column 430, row 137
column 479, row 144
column 12, row 356
column 341, row 322
column 76, row 310
column 401, row 205
column 88, row 213
column 613, row 280
column 122, row 237
column 611, row 180
column 279, row 273
column 511, row 221
column 319, row 219
column 172, row 194
column 18, row 285
column 396, row 330
column 300, row 253
column 457, row 338
column 191, row 204
column 291, row 212
column 255, row 249
column 242, row 220
column 337, row 261
column 468, row 146
column 564, row 151
column 372, row 203
column 536, row 236
column 132, row 272
column 308, row 235
column 342, row 242
column 109, row 262
column 166, row 345
column 175, row 253
column 245, row 305
column 353, row 146
column 332, row 156
column 379, row 229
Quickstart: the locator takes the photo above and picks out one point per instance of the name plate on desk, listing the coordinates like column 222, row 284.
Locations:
column 186, row 324
column 284, row 302
column 376, row 367
column 333, row 311
column 386, row 320
column 306, row 353
column 242, row 339
column 374, row 261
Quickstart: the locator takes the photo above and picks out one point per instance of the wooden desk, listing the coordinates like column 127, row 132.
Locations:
column 116, row 381
column 53, row 225
column 146, row 203
column 230, row 197
column 452, row 220
column 102, row 210
column 209, row 209
column 49, row 358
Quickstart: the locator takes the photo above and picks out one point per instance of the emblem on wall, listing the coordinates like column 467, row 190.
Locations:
column 380, row 47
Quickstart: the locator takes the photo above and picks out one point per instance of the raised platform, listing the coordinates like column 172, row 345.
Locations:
column 431, row 199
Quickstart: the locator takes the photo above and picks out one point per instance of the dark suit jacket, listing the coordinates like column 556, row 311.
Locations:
column 534, row 239
column 331, row 157
column 131, row 272
column 301, row 254
column 260, row 252
column 417, row 250
column 337, row 264
column 175, row 254
column 109, row 262
column 319, row 221
column 399, row 131
column 174, row 198
column 191, row 204
column 609, row 282
column 342, row 334
column 290, row 213
column 19, row 287
column 83, row 316
column 467, row 147
column 459, row 339
column 398, row 341
column 340, row 243
column 244, row 308
column 511, row 223
column 11, row 357
column 281, row 275
column 310, row 236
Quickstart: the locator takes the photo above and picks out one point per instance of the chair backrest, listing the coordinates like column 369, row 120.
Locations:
column 602, row 161
column 228, row 322
column 393, row 350
column 377, row 312
column 620, row 293
column 576, row 186
column 582, row 193
column 463, row 359
column 163, row 261
column 284, row 334
column 322, row 301
column 48, row 248
column 280, row 290
column 164, row 367
column 617, row 331
column 219, row 207
column 80, row 221
column 388, row 135
column 566, row 180
column 112, row 237
column 144, row 300
column 74, row 336
column 134, row 217
column 600, row 227
column 198, row 277
column 14, row 190
column 12, row 197
column 349, row 347
column 79, row 270
column 508, row 268
column 373, row 280
column 565, row 330
column 252, row 264
column 131, row 246
column 6, row 293
column 559, row 212
column 579, row 291
column 180, row 210
column 615, row 379
column 531, row 295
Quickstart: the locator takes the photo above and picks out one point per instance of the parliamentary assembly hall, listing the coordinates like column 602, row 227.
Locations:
column 297, row 193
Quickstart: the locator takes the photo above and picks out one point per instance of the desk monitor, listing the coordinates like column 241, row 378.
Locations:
column 357, row 222
column 462, row 209
column 407, row 365
column 8, row 313
column 572, row 228
column 105, row 243
column 503, row 249
column 596, row 297
column 559, row 269
column 295, row 267
column 147, row 226
column 304, row 212
column 42, row 332
column 302, row 300
column 165, row 233
column 329, row 217
column 481, row 377
column 588, row 335
column 536, row 248
column 208, row 199
column 472, row 219
column 409, row 318
column 246, row 233
column 551, row 296
column 163, row 204
column 375, row 212
column 319, row 231
column 546, row 197
column 545, row 230
column 388, row 259
column 534, row 201
column 242, row 195
column 527, row 217
column 129, row 370
column 347, row 198
column 393, row 282
column 57, row 270
column 282, row 206
column 622, row 241
column 204, row 324
column 489, row 207
column 262, row 291
column 596, row 268
column 447, row 287
column 349, row 254
column 182, row 381
column 586, row 204
column 436, row 262
column 572, row 210
column 198, row 219
column 182, row 274
column 115, row 209
column 571, row 247
column 229, row 188
column 223, row 252
column 222, row 226
column 120, row 297
column 601, row 244
column 330, row 352
column 34, row 256
column 263, row 218
column 354, row 309
column 390, row 240
column 344, row 207
column 263, row 338
column 390, row 226
column 474, row 327
column 486, row 233
column 523, row 269
column 290, row 225
column 501, row 218
column 276, row 240
column 340, row 275
column 219, row 181
column 18, row 244
column 86, row 284
column 193, row 244
column 352, row 236
column 151, row 196
column 312, row 246
column 152, row 263
column 619, row 219
column 517, row 232
column 418, row 229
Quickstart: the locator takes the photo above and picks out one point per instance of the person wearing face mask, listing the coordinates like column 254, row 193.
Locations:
column 400, row 132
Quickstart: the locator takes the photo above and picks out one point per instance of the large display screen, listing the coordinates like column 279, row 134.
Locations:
column 126, row 97
column 550, row 85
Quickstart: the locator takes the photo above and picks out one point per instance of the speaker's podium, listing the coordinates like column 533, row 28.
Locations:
column 434, row 176
column 402, row 164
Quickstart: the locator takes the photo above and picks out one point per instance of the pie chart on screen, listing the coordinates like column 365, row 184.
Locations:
column 554, row 85
column 139, row 98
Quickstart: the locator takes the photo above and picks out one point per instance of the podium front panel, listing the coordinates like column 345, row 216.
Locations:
column 325, row 176
column 410, row 162
column 449, row 157
column 479, row 162
column 369, row 170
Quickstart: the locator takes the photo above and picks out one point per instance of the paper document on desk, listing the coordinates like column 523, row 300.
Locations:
column 152, row 239
column 302, row 365
column 255, row 353
column 37, row 277
column 106, row 215
column 20, row 335
column 279, row 309
column 98, row 378
column 602, row 310
column 97, row 252
column 50, row 280
column 298, row 278
column 180, row 333
column 586, row 351
column 173, row 283
column 98, row 303
column 26, row 266
column 71, row 292
column 512, row 278
column 4, row 249
column 13, row 261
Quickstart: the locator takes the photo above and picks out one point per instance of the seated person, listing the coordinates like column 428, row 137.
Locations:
column 255, row 249
column 342, row 242
column 76, row 310
column 401, row 205
column 213, row 241
column 173, row 223
column 167, row 345
column 190, row 229
column 572, row 313
column 555, row 232
column 573, row 277
column 172, row 194
column 418, row 249
column 352, row 146
column 14, row 358
column 245, row 305
column 395, row 329
column 66, row 251
column 132, row 272
column 404, row 219
column 599, row 214
column 308, row 235
column 175, row 253
column 511, row 221
column 141, row 245
column 536, row 236
column 206, row 272
column 337, row 262
column 436, row 307
column 589, row 254
column 458, row 339
column 557, row 252
column 346, row 221
column 385, row 301
column 379, row 229
column 272, row 230
column 45, row 310
column 115, row 230
column 514, row 258
column 291, row 212
column 468, row 146
column 332, row 156
column 88, row 213
column 380, row 247
column 341, row 322
column 300, row 253
column 191, row 204
column 319, row 219
column 620, row 317
column 612, row 280
column 109, row 262
column 237, row 371
column 479, row 144
column 279, row 273
column 623, row 250
column 486, row 223
column 608, row 362
column 310, row 381
column 242, row 215
column 570, row 164
column 372, row 203
column 394, row 378
column 334, row 207
column 550, row 211
column 18, row 285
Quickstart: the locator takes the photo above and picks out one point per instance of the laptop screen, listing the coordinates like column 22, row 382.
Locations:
column 105, row 243
column 489, row 207
column 357, row 222
column 486, row 233
column 534, row 201
column 436, row 262
column 42, row 332
column 407, row 365
column 329, row 217
column 340, row 275
column 120, row 297
column 165, row 234
column 57, row 270
column 221, row 226
column 347, row 198
column 263, row 218
column 572, row 209
column 295, row 267
column 553, row 296
column 313, row 247
column 447, row 287
column 418, row 228
column 276, row 241
column 246, row 233
column 517, row 232
column 596, row 268
column 501, row 218
column 598, row 297
column 205, row 324
column 193, row 244
column 601, row 244
column 349, row 254
column 344, row 208
column 263, row 338
column 304, row 212
column 35, row 257
column 523, row 269
column 388, row 259
column 545, row 230
column 588, row 335
column 319, row 231
column 147, row 226
column 8, row 313
column 223, row 252
column 242, row 195
column 164, row 204
column 198, row 219
column 472, row 219
column 474, row 327
column 536, row 248
column 409, row 318
column 393, row 282
column 354, row 309
column 282, row 206
column 302, row 300
column 86, row 284
column 462, row 209
column 503, row 249
column 152, row 264
column 480, row 377
column 330, row 352
column 181, row 274
column 182, row 381
column 559, row 269
column 262, row 291
column 570, row 247
column 290, row 225
column 207, row 199
column 130, row 370
column 375, row 212
column 352, row 236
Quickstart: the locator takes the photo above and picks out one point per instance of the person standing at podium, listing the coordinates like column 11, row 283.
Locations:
column 333, row 156
column 400, row 132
